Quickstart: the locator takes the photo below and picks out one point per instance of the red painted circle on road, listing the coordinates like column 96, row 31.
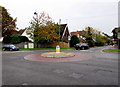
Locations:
column 38, row 57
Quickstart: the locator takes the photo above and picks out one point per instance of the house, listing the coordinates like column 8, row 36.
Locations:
column 79, row 35
column 64, row 32
column 64, row 37
column 22, row 32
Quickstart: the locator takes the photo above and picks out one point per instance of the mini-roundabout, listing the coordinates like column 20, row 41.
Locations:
column 57, row 57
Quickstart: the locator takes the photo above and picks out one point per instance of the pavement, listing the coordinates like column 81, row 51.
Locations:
column 100, row 68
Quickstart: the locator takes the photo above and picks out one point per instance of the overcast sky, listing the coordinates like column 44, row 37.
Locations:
column 99, row 14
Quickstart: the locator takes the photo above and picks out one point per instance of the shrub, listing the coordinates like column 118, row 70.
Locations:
column 91, row 43
column 15, row 39
column 7, row 39
column 99, row 43
column 23, row 39
column 74, row 40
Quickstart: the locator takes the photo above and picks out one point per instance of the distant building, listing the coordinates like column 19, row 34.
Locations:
column 79, row 35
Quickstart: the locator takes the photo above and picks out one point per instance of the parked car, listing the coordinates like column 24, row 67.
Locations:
column 10, row 48
column 82, row 46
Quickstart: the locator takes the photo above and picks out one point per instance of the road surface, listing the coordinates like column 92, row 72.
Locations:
column 100, row 69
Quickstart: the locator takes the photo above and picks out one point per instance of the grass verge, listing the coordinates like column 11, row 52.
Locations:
column 112, row 50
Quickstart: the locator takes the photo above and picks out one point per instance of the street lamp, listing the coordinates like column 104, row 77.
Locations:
column 35, row 13
column 59, row 29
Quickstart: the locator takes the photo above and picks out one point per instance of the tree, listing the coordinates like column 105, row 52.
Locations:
column 8, row 23
column 89, row 36
column 115, row 32
column 74, row 40
column 42, row 29
column 23, row 39
column 15, row 39
column 94, row 37
column 99, row 41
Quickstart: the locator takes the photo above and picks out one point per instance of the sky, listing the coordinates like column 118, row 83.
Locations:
column 78, row 14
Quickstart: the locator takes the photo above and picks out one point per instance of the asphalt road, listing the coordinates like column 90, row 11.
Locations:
column 100, row 69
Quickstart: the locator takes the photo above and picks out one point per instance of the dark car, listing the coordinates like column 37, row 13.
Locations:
column 10, row 48
column 82, row 46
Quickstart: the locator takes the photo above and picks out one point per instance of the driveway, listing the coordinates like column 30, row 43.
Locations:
column 100, row 69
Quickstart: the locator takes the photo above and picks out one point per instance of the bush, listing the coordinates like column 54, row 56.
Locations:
column 74, row 40
column 7, row 39
column 15, row 39
column 91, row 43
column 99, row 43
column 23, row 39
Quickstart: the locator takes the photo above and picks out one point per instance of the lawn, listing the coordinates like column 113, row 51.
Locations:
column 112, row 50
column 41, row 48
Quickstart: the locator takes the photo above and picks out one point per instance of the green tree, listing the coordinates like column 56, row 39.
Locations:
column 115, row 32
column 23, row 39
column 8, row 23
column 99, row 41
column 89, row 36
column 74, row 40
column 7, row 39
column 15, row 39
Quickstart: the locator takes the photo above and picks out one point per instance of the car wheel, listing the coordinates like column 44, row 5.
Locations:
column 10, row 49
column 76, row 48
column 3, row 49
column 83, row 48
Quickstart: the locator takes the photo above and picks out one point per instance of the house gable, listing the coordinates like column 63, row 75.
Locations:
column 64, row 32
